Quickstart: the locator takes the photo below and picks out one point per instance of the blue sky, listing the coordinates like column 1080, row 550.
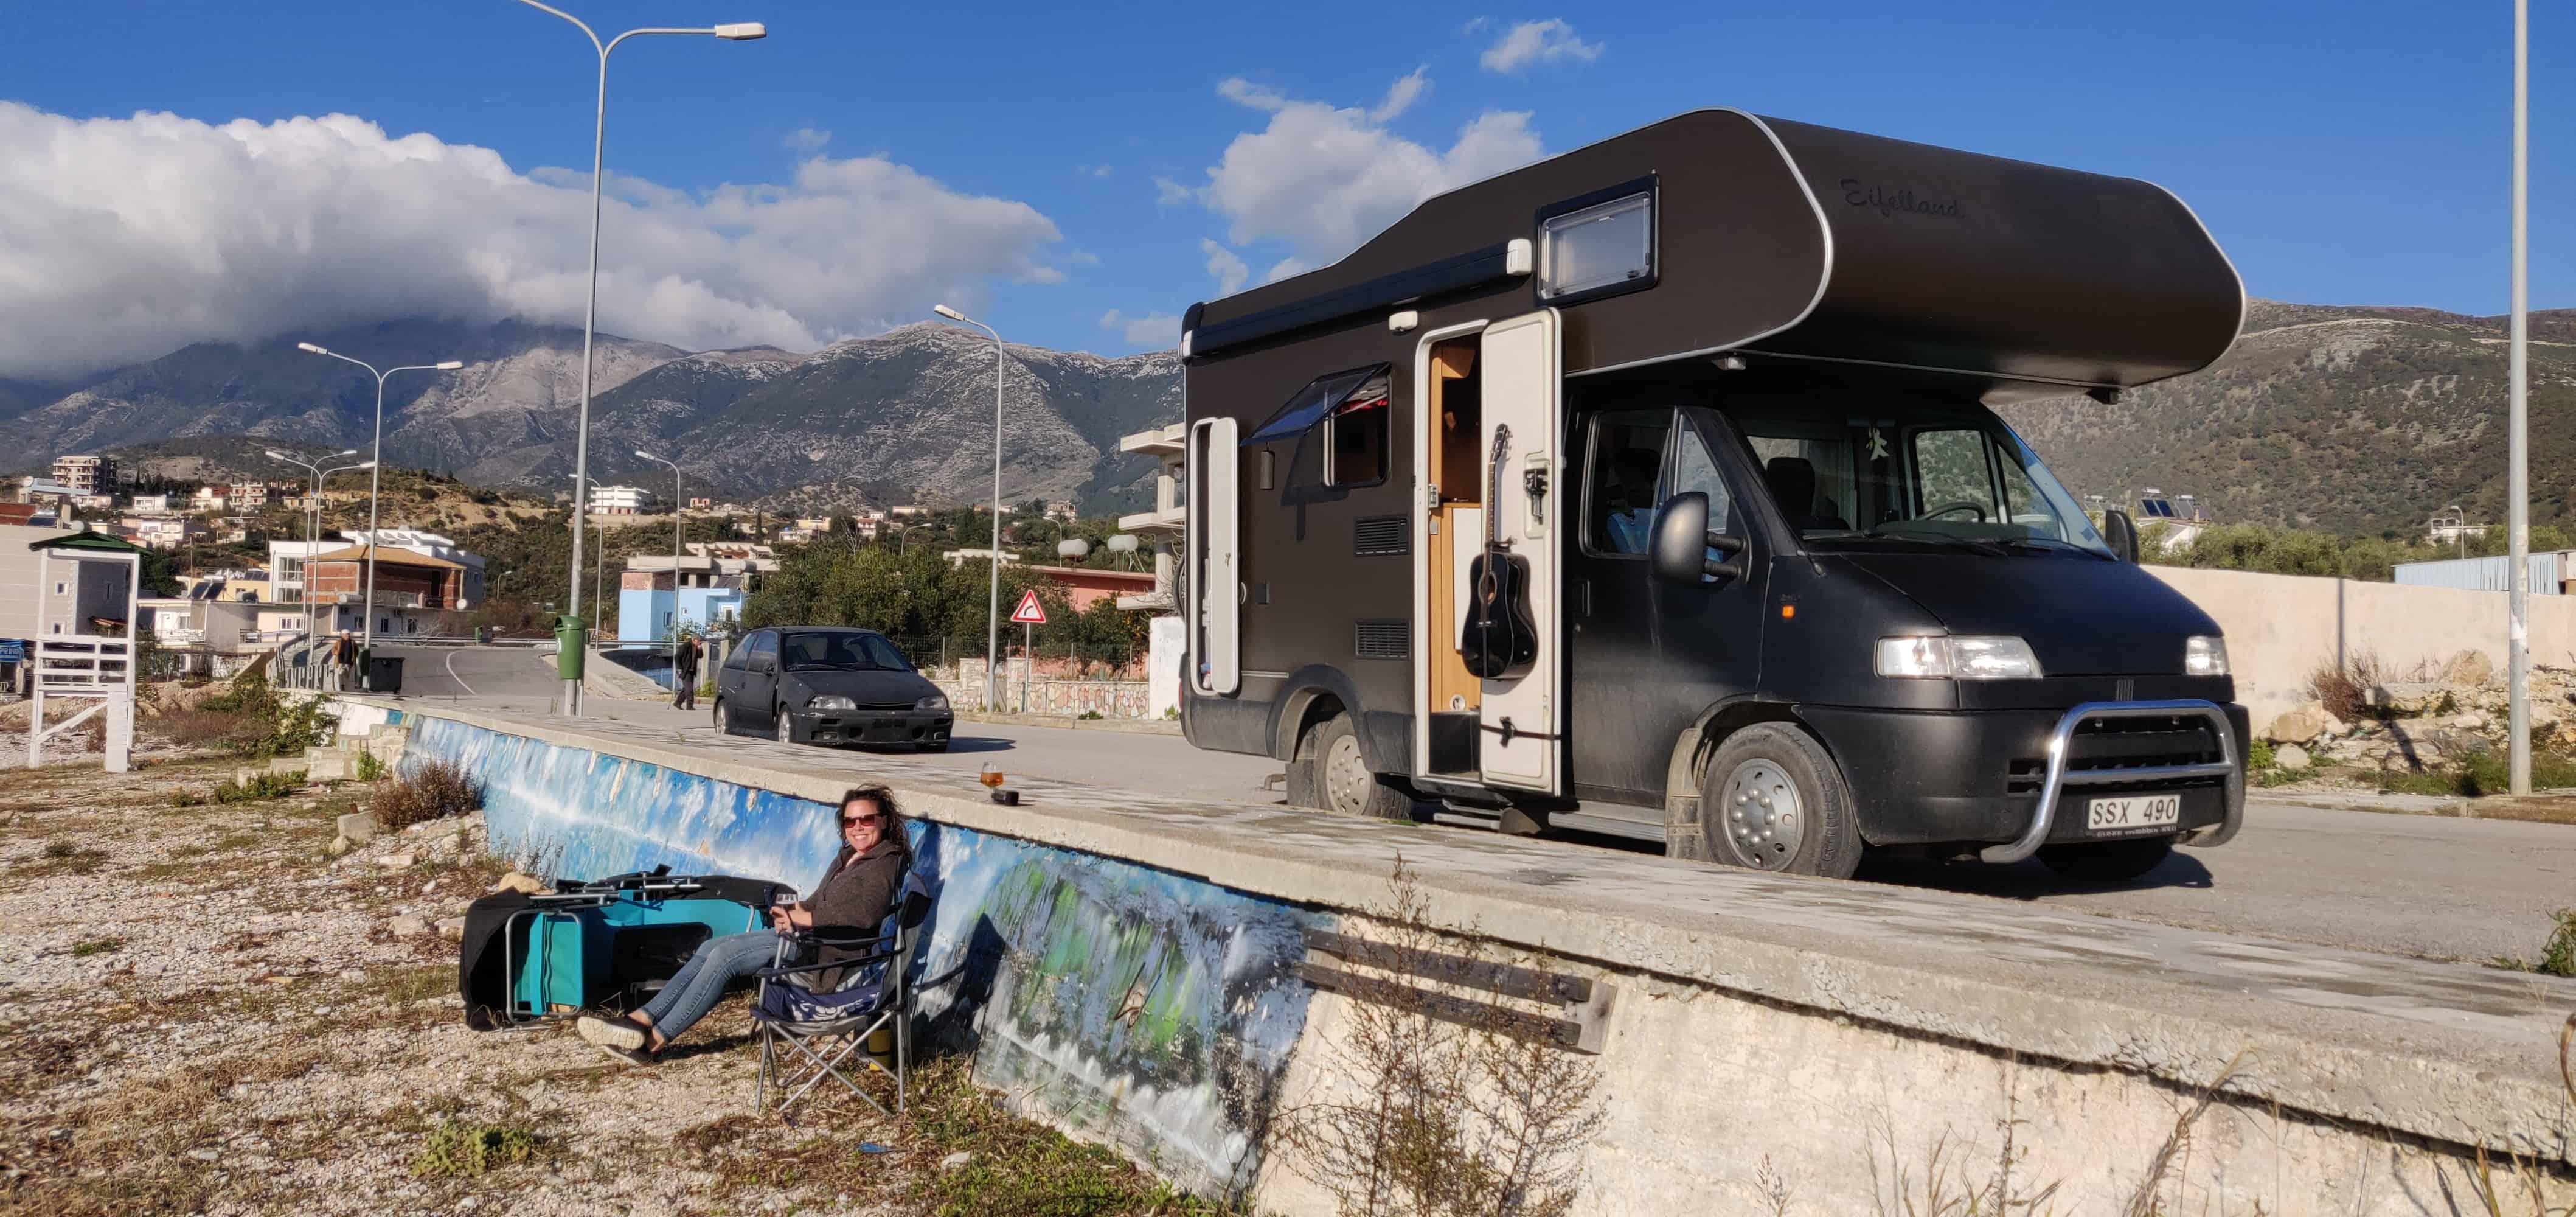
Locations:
column 2341, row 152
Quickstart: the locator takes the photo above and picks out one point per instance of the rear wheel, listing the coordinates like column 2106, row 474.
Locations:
column 1774, row 800
column 1342, row 780
column 2107, row 861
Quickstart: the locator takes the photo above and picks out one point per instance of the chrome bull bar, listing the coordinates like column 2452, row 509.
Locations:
column 2059, row 778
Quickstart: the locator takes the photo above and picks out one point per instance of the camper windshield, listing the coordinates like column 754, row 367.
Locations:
column 1930, row 474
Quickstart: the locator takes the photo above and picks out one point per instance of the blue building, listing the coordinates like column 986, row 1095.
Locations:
column 658, row 597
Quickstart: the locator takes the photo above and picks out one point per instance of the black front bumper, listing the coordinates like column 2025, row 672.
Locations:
column 836, row 727
column 1937, row 777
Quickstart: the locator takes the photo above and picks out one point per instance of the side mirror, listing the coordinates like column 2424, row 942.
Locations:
column 2121, row 534
column 1678, row 551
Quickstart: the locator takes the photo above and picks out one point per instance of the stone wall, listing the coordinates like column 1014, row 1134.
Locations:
column 2282, row 628
column 1069, row 698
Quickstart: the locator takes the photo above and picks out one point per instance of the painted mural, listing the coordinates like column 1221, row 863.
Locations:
column 1152, row 1010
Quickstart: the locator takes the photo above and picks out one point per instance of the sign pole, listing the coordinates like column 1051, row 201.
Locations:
column 1028, row 639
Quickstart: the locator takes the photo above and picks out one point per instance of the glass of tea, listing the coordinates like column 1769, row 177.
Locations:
column 990, row 777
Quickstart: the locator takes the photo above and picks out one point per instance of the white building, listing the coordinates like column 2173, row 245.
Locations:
column 209, row 498
column 619, row 500
column 249, row 496
column 286, row 567
column 87, row 474
column 152, row 504
column 165, row 532
column 960, row 557
column 427, row 545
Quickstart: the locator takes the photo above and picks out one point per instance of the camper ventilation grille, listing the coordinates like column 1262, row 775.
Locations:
column 1372, row 535
column 1379, row 639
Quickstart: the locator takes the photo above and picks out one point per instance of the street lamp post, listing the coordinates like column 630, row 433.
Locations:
column 993, row 611
column 677, row 517
column 739, row 31
column 375, row 466
column 312, row 524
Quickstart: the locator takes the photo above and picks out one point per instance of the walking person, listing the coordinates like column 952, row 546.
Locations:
column 344, row 657
column 684, row 673
column 852, row 901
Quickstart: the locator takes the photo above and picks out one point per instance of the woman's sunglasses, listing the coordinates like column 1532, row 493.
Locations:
column 854, row 821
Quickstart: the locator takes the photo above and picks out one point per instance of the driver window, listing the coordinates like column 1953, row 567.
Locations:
column 1623, row 467
column 1950, row 472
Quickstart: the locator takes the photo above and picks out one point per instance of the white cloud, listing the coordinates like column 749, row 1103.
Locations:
column 1536, row 42
column 1150, row 330
column 1286, row 267
column 1227, row 265
column 1168, row 193
column 123, row 239
column 1094, row 170
column 807, row 140
column 1401, row 95
column 1243, row 92
column 1476, row 23
column 1324, row 178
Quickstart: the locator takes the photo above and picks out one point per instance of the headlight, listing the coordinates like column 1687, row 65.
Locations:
column 936, row 701
column 1962, row 658
column 831, row 701
column 2204, row 656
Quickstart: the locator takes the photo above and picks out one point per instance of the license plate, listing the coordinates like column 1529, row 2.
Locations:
column 2133, row 814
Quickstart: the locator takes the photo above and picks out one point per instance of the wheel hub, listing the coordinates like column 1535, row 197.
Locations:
column 1346, row 775
column 1764, row 821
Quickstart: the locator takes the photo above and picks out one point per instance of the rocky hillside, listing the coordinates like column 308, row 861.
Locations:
column 2349, row 420
column 2352, row 420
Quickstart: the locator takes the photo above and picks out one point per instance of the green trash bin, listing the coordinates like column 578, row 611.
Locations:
column 571, row 644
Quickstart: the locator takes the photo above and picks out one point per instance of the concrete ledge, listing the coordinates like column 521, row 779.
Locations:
column 2449, row 1054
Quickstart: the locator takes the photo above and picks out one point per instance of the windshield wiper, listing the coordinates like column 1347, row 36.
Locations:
column 2054, row 545
column 1936, row 537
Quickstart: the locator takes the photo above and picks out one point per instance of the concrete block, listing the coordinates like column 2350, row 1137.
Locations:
column 359, row 826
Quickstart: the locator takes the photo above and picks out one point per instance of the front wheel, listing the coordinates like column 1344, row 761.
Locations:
column 1342, row 781
column 2107, row 861
column 724, row 721
column 1774, row 800
column 786, row 731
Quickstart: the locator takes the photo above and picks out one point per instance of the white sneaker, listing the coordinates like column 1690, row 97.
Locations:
column 619, row 1035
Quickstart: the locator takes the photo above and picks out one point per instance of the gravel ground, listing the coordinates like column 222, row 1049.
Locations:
column 202, row 1012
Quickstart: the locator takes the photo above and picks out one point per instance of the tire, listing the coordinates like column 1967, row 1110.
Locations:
column 2107, row 861
column 1342, row 780
column 724, row 721
column 1773, row 799
column 783, row 729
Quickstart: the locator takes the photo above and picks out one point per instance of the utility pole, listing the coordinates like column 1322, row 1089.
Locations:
column 2518, row 489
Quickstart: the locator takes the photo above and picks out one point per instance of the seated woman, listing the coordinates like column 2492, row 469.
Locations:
column 854, row 897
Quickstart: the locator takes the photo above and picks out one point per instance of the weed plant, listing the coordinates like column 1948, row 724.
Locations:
column 433, row 790
column 467, row 1149
column 260, row 787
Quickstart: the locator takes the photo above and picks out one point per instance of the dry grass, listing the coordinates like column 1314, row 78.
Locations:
column 2344, row 689
column 432, row 790
column 201, row 728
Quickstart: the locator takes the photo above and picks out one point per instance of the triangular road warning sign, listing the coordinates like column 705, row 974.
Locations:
column 1030, row 611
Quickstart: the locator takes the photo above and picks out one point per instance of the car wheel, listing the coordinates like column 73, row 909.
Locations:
column 724, row 721
column 1774, row 800
column 786, row 730
column 1341, row 778
column 2107, row 861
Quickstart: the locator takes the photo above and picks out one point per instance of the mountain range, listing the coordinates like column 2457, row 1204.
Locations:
column 2348, row 419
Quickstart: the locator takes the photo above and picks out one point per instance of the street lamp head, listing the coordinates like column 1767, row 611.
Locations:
column 742, row 31
column 306, row 346
column 945, row 311
column 366, row 465
column 451, row 365
column 646, row 455
column 346, row 452
column 274, row 454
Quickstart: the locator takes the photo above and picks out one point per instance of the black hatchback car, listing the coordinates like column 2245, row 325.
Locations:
column 829, row 686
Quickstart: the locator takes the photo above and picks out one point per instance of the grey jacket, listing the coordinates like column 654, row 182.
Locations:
column 854, row 899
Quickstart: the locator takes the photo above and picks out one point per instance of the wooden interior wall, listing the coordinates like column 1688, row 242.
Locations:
column 1459, row 468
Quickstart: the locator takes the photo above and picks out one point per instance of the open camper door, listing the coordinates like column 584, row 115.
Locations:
column 1214, row 539
column 1522, row 717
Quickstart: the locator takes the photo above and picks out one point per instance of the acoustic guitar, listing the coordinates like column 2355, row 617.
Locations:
column 1500, row 640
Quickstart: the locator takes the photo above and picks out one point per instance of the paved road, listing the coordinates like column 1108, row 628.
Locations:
column 2442, row 888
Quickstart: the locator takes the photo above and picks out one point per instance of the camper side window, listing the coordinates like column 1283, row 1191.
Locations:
column 1350, row 411
column 1356, row 453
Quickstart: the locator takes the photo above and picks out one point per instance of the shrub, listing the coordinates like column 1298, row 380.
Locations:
column 465, row 1149
column 2259, row 757
column 433, row 790
column 1090, row 716
column 2344, row 690
column 261, row 786
column 2557, row 956
column 369, row 768
column 286, row 725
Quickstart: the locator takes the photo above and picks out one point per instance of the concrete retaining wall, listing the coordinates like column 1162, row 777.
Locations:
column 1826, row 1036
column 2280, row 628
column 1061, row 698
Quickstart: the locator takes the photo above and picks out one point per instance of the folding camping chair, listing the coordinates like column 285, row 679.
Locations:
column 807, row 1034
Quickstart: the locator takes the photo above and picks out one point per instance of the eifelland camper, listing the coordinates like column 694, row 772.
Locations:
column 1656, row 489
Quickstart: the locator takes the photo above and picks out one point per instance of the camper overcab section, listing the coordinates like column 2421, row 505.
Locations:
column 1656, row 489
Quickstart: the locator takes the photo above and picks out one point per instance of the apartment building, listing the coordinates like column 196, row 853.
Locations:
column 86, row 474
column 620, row 500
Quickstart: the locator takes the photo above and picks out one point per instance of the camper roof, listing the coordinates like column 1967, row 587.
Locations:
column 1764, row 235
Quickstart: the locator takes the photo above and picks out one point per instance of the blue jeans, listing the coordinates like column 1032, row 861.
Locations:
column 717, row 963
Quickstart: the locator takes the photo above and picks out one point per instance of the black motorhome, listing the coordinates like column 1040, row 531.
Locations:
column 1654, row 489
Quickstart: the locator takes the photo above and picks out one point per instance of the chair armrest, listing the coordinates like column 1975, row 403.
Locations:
column 855, row 961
